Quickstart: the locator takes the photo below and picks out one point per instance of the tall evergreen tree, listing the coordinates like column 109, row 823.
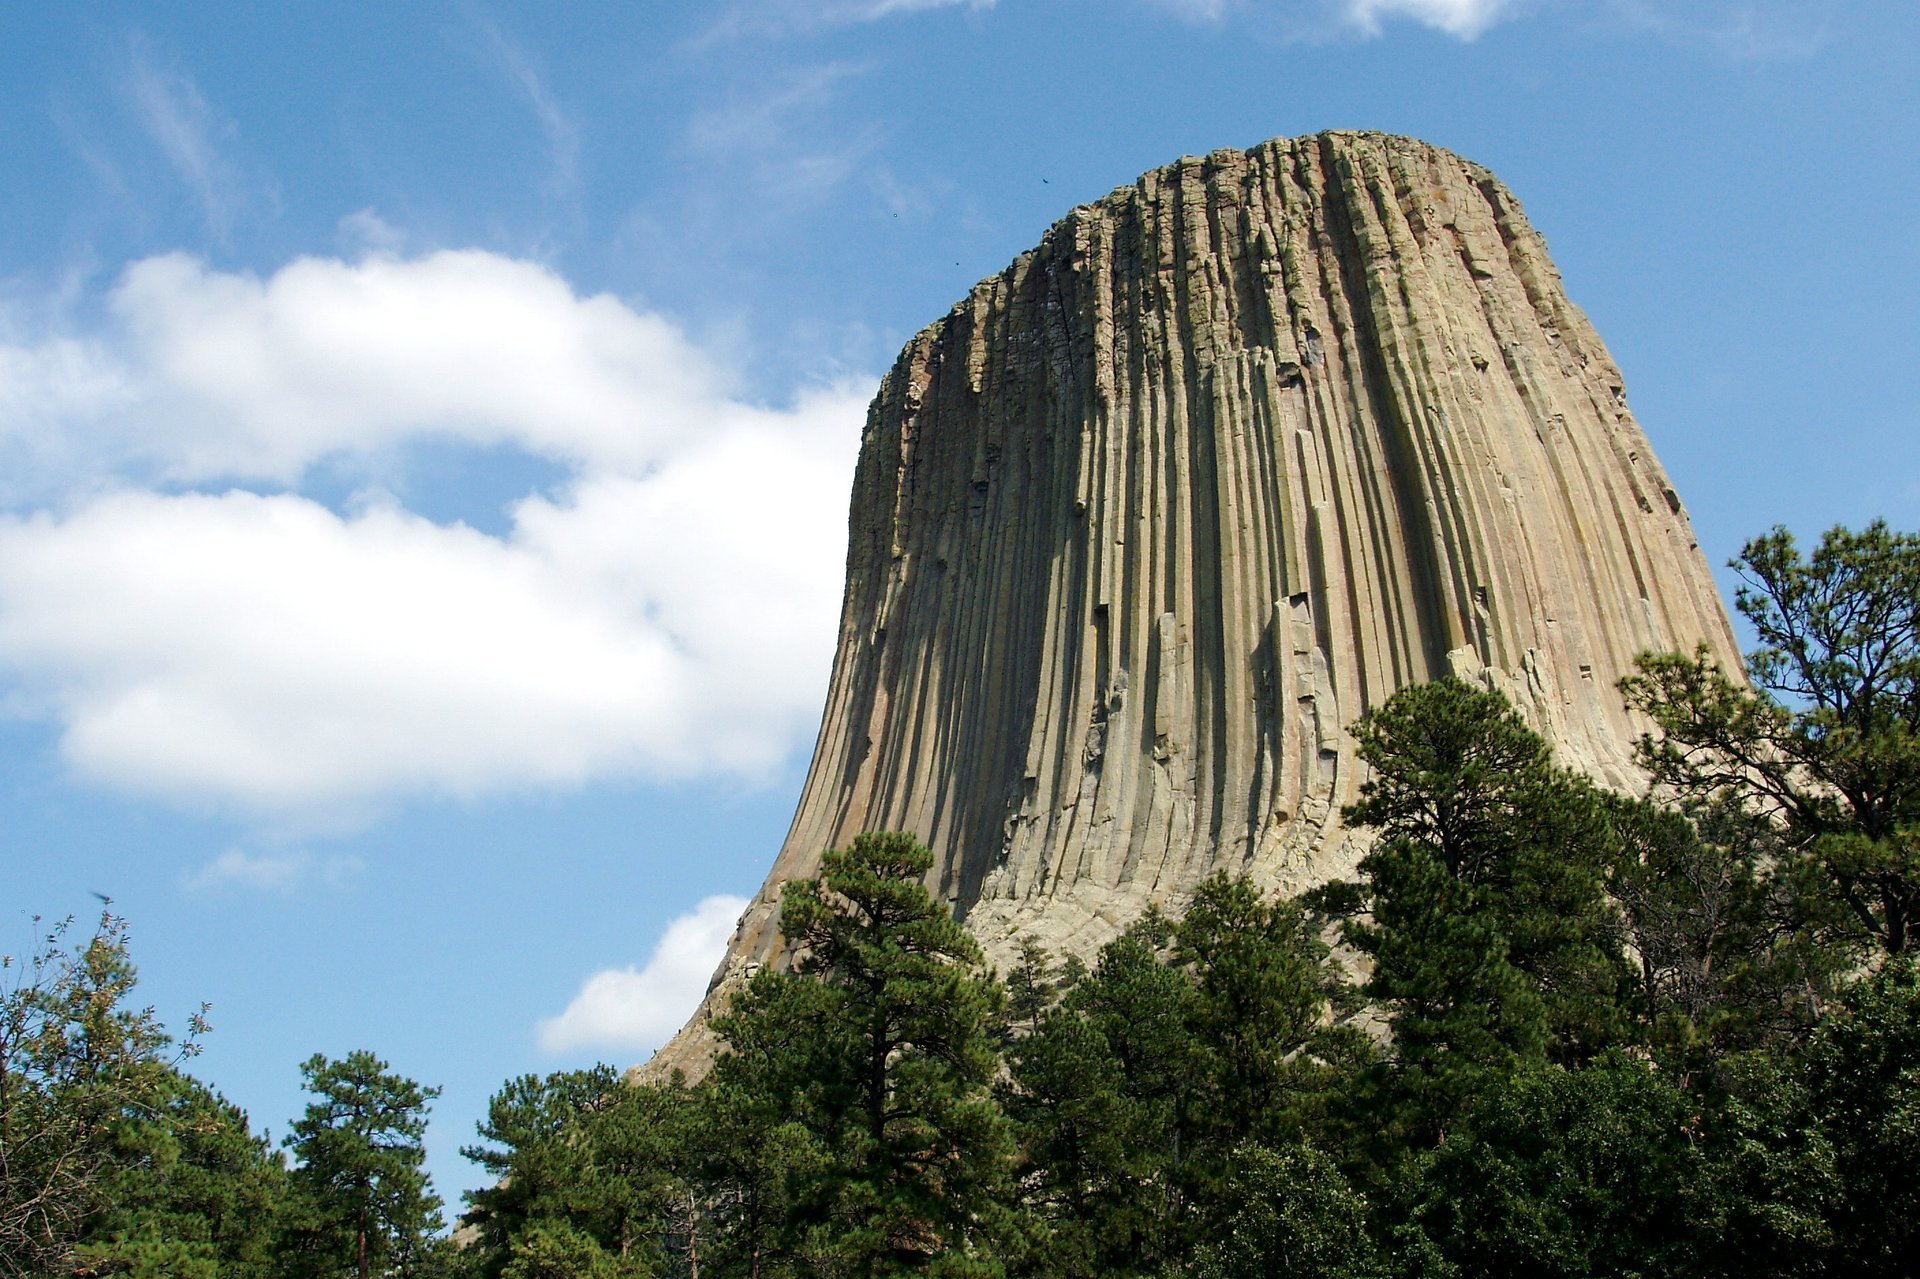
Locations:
column 900, row 1156
column 363, row 1201
column 1493, row 943
column 190, row 1191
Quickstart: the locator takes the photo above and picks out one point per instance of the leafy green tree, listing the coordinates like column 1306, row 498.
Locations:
column 1090, row 1149
column 78, row 1066
column 1291, row 1215
column 1032, row 988
column 363, row 1199
column 1725, row 931
column 1768, row 1189
column 1826, row 741
column 1558, row 1172
column 785, row 1085
column 1144, row 1009
column 1132, row 1096
column 637, row 1197
column 1863, row 1077
column 587, row 1151
column 1264, row 990
column 552, row 1249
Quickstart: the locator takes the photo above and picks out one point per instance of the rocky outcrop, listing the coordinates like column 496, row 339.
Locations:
column 1151, row 517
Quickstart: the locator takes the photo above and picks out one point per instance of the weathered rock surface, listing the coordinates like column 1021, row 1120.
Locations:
column 1151, row 517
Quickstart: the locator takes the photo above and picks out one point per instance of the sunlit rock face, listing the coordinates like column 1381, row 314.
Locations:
column 1149, row 519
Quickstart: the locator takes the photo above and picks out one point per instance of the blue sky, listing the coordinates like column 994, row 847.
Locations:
column 425, row 429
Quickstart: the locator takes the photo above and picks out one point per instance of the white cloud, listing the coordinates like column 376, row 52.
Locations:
column 266, row 652
column 668, row 612
column 217, row 374
column 269, row 872
column 636, row 1010
column 1195, row 10
column 1466, row 19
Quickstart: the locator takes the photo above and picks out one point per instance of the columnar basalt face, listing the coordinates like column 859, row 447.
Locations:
column 1149, row 519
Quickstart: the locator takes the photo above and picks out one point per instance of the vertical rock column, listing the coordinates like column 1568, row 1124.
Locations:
column 1150, row 518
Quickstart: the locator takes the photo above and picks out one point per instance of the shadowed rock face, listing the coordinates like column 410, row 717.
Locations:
column 1150, row 518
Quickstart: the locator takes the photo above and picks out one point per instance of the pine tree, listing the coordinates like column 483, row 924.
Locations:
column 1482, row 907
column 894, row 1156
column 1827, row 740
column 363, row 1200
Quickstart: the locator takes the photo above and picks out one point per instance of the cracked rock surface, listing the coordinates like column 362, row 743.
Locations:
column 1150, row 518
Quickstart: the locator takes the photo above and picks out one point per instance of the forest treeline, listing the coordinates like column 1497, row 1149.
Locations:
column 1544, row 1029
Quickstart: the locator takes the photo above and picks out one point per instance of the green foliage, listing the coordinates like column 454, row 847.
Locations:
column 106, row 1150
column 1134, row 1095
column 1263, row 985
column 860, row 1081
column 361, row 1201
column 581, row 1155
column 556, row 1250
column 1769, row 1193
column 1088, row 1147
column 1290, row 1215
column 1031, row 988
column 1726, row 932
column 1828, row 743
column 189, row 1191
column 1102, row 1095
column 1558, row 1172
column 1482, row 907
column 1863, row 1081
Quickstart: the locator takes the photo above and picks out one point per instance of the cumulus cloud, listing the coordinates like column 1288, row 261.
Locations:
column 667, row 611
column 635, row 1010
column 205, row 374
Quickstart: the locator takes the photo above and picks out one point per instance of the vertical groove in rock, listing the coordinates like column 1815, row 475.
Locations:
column 1150, row 518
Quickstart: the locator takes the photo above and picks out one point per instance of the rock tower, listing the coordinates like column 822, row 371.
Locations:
column 1149, row 519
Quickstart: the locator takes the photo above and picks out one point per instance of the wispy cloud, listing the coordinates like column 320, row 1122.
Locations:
column 1332, row 19
column 562, row 134
column 189, row 134
column 635, row 1010
column 1745, row 30
column 778, row 131
column 279, row 873
column 785, row 17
